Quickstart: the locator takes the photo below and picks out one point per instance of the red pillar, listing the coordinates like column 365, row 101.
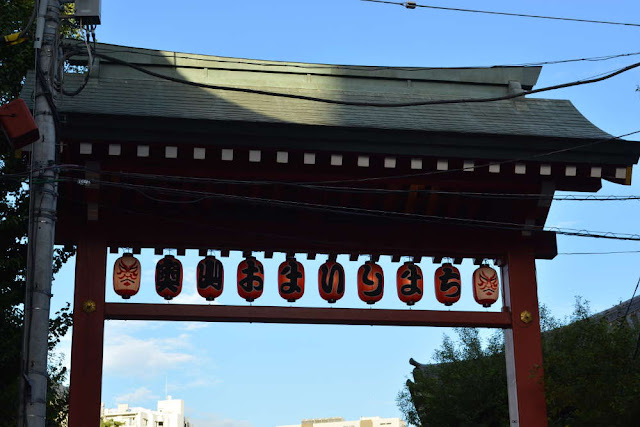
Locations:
column 523, row 348
column 88, row 332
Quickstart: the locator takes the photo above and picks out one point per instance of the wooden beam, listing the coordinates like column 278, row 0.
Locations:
column 305, row 315
column 523, row 347
column 88, row 332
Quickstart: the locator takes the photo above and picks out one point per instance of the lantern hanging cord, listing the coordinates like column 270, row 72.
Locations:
column 364, row 103
column 413, row 5
column 143, row 189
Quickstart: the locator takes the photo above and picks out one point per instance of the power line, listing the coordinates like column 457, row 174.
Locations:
column 470, row 194
column 413, row 5
column 320, row 183
column 484, row 165
column 359, row 67
column 599, row 253
column 202, row 195
column 363, row 103
column 631, row 300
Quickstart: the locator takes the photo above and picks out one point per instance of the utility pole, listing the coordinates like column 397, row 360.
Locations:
column 42, row 219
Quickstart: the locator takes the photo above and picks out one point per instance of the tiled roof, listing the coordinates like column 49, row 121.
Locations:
column 524, row 117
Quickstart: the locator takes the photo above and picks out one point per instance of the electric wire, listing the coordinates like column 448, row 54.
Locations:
column 363, row 103
column 202, row 195
column 630, row 301
column 340, row 181
column 599, row 253
column 484, row 165
column 469, row 194
column 412, row 5
column 102, row 49
column 90, row 60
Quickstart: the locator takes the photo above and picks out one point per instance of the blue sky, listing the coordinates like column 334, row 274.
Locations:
column 241, row 375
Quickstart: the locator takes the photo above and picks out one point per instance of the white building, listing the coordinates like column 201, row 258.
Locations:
column 362, row 422
column 170, row 413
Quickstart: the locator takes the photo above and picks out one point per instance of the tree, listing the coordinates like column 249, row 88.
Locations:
column 591, row 377
column 110, row 423
column 15, row 61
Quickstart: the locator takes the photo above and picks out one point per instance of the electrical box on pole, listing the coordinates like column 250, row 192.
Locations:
column 88, row 11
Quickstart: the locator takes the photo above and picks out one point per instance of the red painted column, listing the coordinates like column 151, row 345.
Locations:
column 523, row 347
column 88, row 332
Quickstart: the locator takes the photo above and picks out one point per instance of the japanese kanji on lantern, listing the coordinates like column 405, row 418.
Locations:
column 447, row 283
column 370, row 282
column 410, row 283
column 331, row 280
column 485, row 285
column 210, row 277
column 168, row 277
column 291, row 279
column 126, row 276
column 250, row 279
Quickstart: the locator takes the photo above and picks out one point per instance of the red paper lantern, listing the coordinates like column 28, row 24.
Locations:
column 447, row 282
column 370, row 282
column 331, row 281
column 485, row 285
column 126, row 276
column 410, row 284
column 210, row 277
column 168, row 277
column 291, row 279
column 250, row 279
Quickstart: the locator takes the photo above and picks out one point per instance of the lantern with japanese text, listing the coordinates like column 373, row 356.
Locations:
column 331, row 280
column 250, row 279
column 447, row 283
column 370, row 282
column 485, row 285
column 210, row 276
column 126, row 276
column 168, row 277
column 291, row 279
column 410, row 284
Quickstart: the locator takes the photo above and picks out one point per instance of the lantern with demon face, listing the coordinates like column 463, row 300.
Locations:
column 410, row 284
column 168, row 277
column 447, row 283
column 485, row 285
column 291, row 279
column 250, row 279
column 126, row 276
column 370, row 282
column 210, row 275
column 331, row 280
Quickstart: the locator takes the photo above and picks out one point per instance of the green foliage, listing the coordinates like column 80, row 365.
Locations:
column 466, row 375
column 110, row 423
column 14, row 60
column 591, row 377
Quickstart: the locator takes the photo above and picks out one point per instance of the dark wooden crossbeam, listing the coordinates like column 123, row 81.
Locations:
column 306, row 315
